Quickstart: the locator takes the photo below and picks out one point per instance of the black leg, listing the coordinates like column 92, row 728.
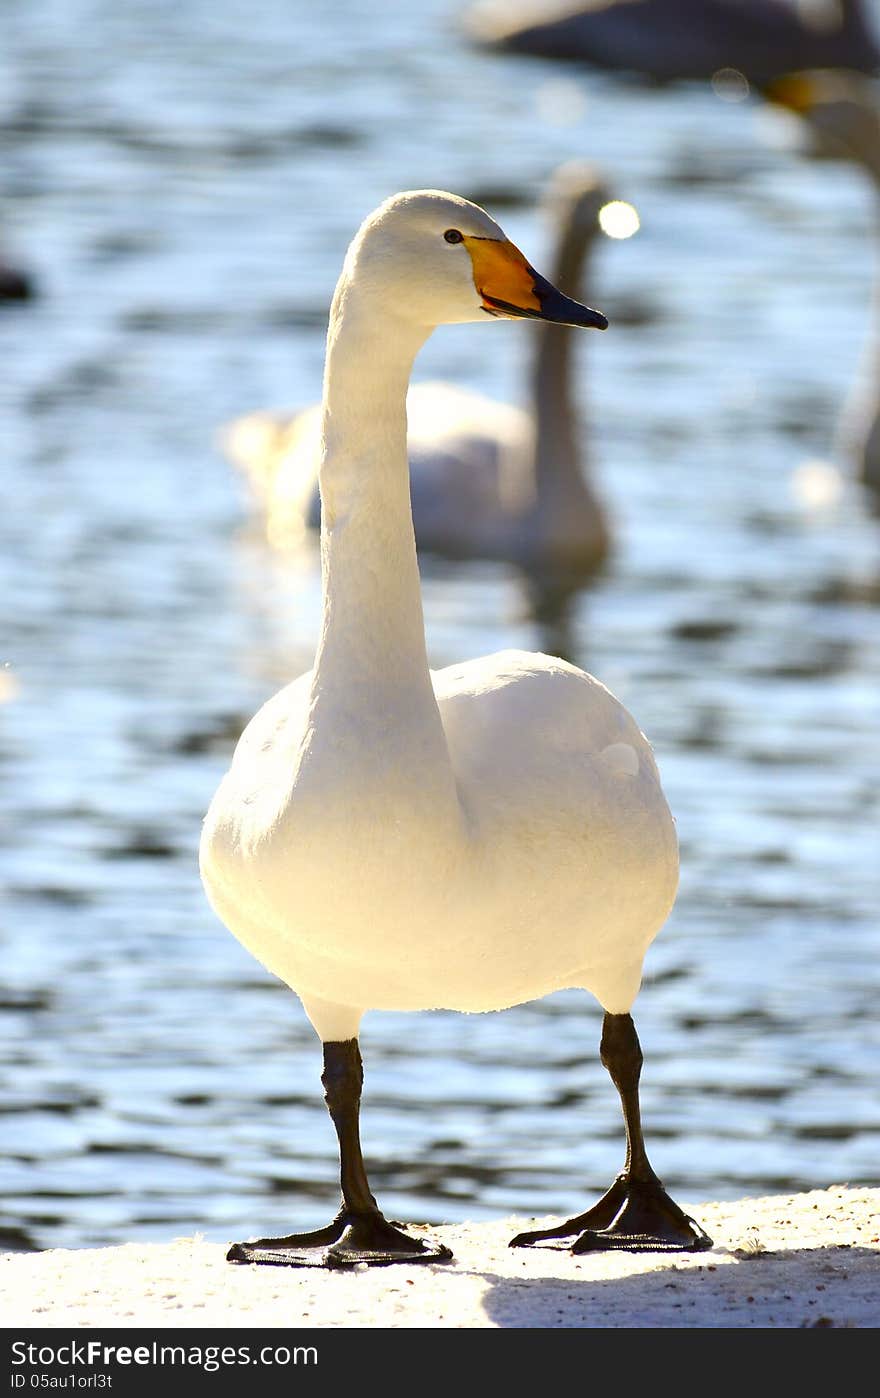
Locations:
column 359, row 1232
column 636, row 1213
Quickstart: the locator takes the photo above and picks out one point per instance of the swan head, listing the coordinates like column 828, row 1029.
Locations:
column 576, row 195
column 841, row 109
column 436, row 259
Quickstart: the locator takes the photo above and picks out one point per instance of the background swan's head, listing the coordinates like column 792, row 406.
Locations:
column 842, row 111
column 436, row 259
column 576, row 194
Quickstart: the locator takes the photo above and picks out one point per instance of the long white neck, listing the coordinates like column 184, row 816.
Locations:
column 371, row 677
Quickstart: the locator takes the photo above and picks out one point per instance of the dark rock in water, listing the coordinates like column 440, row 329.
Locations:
column 15, row 285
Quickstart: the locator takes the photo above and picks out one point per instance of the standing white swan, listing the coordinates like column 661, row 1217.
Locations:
column 389, row 838
column 487, row 480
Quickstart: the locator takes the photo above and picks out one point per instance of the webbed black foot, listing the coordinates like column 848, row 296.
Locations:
column 635, row 1215
column 350, row 1239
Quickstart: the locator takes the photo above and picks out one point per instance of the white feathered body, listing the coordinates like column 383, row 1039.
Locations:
column 365, row 873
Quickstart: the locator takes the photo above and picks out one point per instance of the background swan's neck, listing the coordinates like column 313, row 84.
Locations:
column 859, row 134
column 557, row 463
column 568, row 520
column 373, row 638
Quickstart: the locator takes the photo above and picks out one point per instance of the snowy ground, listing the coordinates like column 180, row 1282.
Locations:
column 782, row 1261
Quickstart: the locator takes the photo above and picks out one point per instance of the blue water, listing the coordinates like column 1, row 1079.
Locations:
column 183, row 181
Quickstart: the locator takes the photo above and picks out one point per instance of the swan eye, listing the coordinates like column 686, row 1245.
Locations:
column 452, row 235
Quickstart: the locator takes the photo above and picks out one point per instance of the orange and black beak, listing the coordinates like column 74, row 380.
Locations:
column 509, row 286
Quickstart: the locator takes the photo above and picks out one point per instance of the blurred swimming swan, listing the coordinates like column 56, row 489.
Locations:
column 670, row 40
column 488, row 480
column 843, row 112
column 470, row 839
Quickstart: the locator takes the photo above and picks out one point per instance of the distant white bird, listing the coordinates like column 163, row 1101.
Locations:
column 670, row 40
column 488, row 480
column 843, row 113
column 389, row 838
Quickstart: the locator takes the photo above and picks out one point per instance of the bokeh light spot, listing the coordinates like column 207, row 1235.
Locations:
column 730, row 85
column 8, row 684
column 816, row 485
column 619, row 219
